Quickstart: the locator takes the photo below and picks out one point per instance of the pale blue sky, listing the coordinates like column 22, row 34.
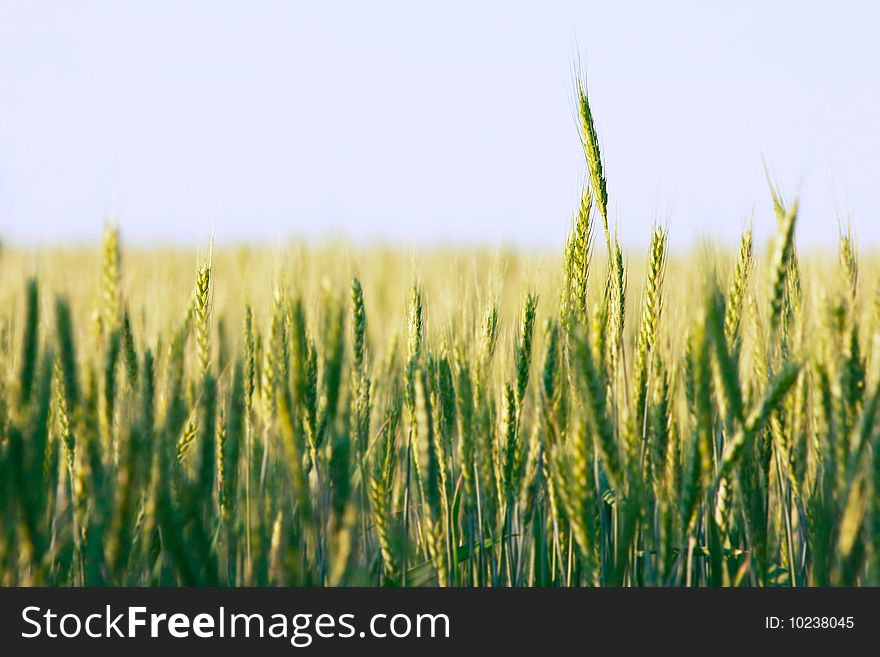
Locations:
column 427, row 122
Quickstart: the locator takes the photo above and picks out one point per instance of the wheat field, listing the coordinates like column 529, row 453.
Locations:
column 339, row 416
